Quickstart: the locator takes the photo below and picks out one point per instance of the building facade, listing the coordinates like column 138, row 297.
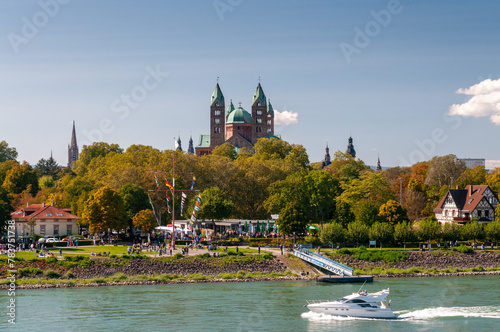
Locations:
column 473, row 162
column 48, row 220
column 237, row 126
column 462, row 205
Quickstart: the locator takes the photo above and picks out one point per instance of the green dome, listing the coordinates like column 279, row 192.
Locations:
column 239, row 115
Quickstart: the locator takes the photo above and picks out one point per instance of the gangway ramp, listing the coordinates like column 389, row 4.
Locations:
column 323, row 262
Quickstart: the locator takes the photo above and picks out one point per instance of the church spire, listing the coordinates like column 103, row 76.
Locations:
column 379, row 168
column 259, row 96
column 217, row 96
column 190, row 147
column 326, row 160
column 179, row 147
column 72, row 148
column 350, row 148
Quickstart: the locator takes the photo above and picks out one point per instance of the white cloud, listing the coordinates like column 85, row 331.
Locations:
column 485, row 101
column 285, row 118
column 491, row 164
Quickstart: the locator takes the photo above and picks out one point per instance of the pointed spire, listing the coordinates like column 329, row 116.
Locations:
column 72, row 148
column 326, row 160
column 379, row 168
column 217, row 96
column 179, row 147
column 350, row 148
column 190, row 147
column 259, row 96
column 230, row 108
column 270, row 108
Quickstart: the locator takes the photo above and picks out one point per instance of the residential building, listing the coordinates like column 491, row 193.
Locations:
column 462, row 205
column 48, row 219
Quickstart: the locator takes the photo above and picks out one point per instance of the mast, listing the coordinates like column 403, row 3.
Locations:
column 173, row 197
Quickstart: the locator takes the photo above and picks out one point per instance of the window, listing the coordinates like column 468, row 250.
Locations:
column 217, row 112
column 217, row 121
column 69, row 230
column 259, row 104
column 269, row 130
column 42, row 229
column 269, row 122
column 56, row 230
column 59, row 215
column 259, row 112
column 49, row 214
column 487, row 213
column 259, row 120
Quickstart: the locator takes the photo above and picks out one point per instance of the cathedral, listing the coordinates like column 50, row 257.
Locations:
column 72, row 149
column 237, row 126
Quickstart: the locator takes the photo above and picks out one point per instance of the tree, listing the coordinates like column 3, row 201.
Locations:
column 443, row 170
column 47, row 167
column 450, row 232
column 357, row 232
column 343, row 213
column 5, row 209
column 371, row 186
column 332, row 233
column 493, row 231
column 429, row 229
column 475, row 175
column 46, row 181
column 226, row 150
column 323, row 190
column 31, row 224
column 414, row 203
column 403, row 232
column 493, row 180
column 473, row 231
column 145, row 220
column 381, row 232
column 392, row 212
column 366, row 212
column 104, row 210
column 7, row 153
column 215, row 205
column 20, row 178
column 135, row 199
column 346, row 167
column 97, row 150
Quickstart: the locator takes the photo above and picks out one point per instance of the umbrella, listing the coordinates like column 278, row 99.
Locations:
column 246, row 227
column 268, row 228
column 257, row 228
column 312, row 227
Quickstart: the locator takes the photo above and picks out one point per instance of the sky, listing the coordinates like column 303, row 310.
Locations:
column 408, row 80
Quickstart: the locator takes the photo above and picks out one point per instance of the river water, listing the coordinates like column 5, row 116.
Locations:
column 423, row 304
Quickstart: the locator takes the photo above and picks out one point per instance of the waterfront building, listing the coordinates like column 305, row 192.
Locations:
column 237, row 126
column 462, row 205
column 72, row 148
column 48, row 219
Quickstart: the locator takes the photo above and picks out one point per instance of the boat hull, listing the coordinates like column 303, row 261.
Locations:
column 380, row 313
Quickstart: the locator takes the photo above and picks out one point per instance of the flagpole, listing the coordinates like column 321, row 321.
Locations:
column 173, row 198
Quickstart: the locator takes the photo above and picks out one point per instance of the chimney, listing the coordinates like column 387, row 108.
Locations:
column 43, row 204
column 27, row 204
column 470, row 190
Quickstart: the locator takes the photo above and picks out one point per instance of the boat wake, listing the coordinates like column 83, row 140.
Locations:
column 440, row 312
column 314, row 316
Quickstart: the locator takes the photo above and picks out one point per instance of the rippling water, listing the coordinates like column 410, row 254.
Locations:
column 422, row 304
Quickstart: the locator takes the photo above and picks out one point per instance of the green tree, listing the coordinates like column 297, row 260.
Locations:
column 473, row 231
column 429, row 229
column 7, row 153
column 450, row 232
column 346, row 167
column 392, row 212
column 46, row 181
column 104, row 210
column 357, row 232
column 20, row 178
column 323, row 190
column 332, row 233
column 381, row 232
column 403, row 232
column 343, row 213
column 371, row 186
column 493, row 231
column 366, row 212
column 226, row 150
column 31, row 224
column 215, row 205
column 145, row 220
column 5, row 209
column 135, row 199
column 97, row 150
column 47, row 167
column 493, row 180
column 475, row 175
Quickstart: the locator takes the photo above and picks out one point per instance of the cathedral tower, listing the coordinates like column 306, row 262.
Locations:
column 259, row 115
column 350, row 148
column 72, row 149
column 217, row 119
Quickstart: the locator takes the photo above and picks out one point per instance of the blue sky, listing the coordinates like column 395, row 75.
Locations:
column 386, row 72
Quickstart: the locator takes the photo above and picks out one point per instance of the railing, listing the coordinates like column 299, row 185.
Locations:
column 323, row 262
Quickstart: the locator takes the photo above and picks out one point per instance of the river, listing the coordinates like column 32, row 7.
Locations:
column 422, row 304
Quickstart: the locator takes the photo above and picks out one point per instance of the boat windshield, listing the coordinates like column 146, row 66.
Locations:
column 342, row 300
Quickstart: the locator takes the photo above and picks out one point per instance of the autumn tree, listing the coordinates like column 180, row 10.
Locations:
column 103, row 211
column 144, row 220
column 20, row 178
column 493, row 180
column 381, row 232
column 226, row 150
column 472, row 176
column 332, row 233
column 443, row 170
column 5, row 209
column 392, row 212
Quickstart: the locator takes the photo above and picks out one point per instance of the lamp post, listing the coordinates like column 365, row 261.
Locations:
column 400, row 190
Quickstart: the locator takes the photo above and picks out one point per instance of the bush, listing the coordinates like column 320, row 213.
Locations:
column 343, row 251
column 463, row 249
column 30, row 270
column 205, row 255
column 51, row 274
column 51, row 260
column 312, row 240
column 179, row 256
column 268, row 256
column 69, row 275
column 112, row 256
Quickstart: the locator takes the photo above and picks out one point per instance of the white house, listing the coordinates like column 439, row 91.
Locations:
column 49, row 220
column 462, row 205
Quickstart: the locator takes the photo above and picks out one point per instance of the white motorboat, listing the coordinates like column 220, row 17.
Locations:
column 362, row 304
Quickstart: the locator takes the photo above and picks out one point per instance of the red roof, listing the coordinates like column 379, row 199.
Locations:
column 42, row 211
column 466, row 199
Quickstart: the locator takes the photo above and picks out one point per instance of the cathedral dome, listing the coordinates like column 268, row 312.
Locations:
column 239, row 115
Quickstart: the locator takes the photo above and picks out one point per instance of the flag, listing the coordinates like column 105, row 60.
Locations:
column 157, row 184
column 184, row 196
column 168, row 185
column 194, row 179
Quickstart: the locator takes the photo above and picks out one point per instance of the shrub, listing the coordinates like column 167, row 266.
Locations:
column 112, row 256
column 343, row 251
column 179, row 256
column 463, row 249
column 30, row 270
column 196, row 276
column 267, row 256
column 51, row 274
column 69, row 275
column 241, row 274
column 205, row 255
column 51, row 260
